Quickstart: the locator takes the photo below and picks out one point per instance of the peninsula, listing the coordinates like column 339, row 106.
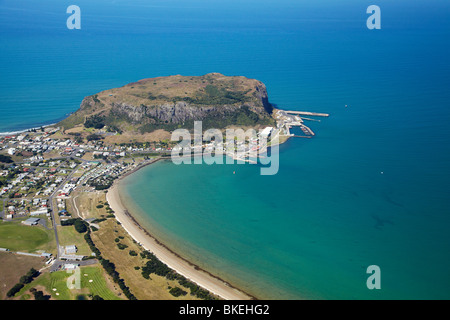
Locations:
column 164, row 104
column 66, row 177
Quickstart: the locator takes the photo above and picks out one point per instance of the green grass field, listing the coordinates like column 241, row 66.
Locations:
column 68, row 236
column 92, row 282
column 18, row 237
column 98, row 284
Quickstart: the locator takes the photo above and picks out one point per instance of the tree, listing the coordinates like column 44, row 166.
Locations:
column 29, row 276
column 80, row 226
column 12, row 292
column 39, row 295
column 6, row 159
column 92, row 137
column 176, row 292
column 95, row 121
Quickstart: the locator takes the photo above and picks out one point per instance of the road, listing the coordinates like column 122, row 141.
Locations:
column 58, row 264
column 2, row 212
column 53, row 211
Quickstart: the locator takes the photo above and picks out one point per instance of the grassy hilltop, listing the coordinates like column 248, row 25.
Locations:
column 168, row 103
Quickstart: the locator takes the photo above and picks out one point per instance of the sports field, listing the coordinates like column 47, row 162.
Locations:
column 92, row 281
column 18, row 237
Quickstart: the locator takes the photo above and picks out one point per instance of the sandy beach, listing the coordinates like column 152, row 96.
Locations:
column 175, row 262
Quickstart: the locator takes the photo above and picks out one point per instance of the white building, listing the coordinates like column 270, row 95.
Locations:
column 70, row 266
column 31, row 222
column 266, row 132
column 71, row 249
column 39, row 212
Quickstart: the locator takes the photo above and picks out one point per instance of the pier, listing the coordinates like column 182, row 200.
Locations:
column 307, row 130
column 306, row 113
column 309, row 119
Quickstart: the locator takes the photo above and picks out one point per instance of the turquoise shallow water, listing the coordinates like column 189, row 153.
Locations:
column 312, row 229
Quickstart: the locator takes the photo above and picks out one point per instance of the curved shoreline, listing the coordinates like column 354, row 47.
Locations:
column 12, row 133
column 174, row 261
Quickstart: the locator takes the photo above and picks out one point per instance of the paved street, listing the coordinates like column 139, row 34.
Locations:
column 58, row 264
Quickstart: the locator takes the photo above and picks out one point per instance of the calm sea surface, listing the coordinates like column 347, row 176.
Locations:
column 312, row 230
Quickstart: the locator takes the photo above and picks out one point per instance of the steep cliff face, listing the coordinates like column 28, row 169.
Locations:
column 178, row 112
column 177, row 101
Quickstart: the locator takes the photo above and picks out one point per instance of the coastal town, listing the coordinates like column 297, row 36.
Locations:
column 47, row 179
column 41, row 175
column 38, row 173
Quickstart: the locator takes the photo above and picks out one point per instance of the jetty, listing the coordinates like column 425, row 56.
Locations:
column 286, row 119
column 309, row 119
column 306, row 113
column 306, row 130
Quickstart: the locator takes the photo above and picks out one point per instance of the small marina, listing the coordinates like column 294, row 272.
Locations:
column 288, row 119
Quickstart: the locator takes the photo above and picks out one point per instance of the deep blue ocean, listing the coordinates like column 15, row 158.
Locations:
column 371, row 188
